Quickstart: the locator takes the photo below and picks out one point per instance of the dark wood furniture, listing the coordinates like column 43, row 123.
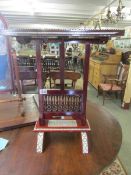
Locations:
column 62, row 110
column 62, row 150
column 70, row 75
column 10, row 112
column 26, row 61
column 8, row 67
column 28, row 78
column 26, row 68
column 67, row 106
column 114, row 83
column 52, row 63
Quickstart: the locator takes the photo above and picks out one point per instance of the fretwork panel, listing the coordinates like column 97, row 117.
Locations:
column 62, row 103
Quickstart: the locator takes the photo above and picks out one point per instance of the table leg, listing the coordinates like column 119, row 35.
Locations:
column 40, row 141
column 84, row 142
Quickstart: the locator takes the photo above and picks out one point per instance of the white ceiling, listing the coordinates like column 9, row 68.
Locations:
column 70, row 13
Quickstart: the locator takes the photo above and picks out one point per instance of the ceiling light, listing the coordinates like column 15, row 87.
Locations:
column 113, row 17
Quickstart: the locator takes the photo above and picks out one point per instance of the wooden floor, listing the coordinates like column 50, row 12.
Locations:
column 10, row 112
column 63, row 155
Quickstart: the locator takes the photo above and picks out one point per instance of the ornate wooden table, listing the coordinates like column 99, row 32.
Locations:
column 62, row 153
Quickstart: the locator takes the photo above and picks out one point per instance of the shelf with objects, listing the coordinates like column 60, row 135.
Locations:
column 63, row 109
column 127, row 95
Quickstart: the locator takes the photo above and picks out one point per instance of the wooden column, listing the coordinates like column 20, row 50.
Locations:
column 85, row 76
column 39, row 79
column 17, row 76
column 62, row 64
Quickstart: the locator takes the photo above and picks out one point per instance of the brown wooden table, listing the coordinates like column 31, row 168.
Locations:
column 10, row 112
column 70, row 75
column 63, row 155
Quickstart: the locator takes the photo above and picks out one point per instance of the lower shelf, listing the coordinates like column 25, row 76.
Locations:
column 61, row 126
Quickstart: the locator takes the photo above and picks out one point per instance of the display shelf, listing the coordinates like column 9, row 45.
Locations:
column 63, row 125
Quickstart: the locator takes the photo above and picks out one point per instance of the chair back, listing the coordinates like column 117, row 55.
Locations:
column 123, row 74
column 120, row 70
column 30, row 75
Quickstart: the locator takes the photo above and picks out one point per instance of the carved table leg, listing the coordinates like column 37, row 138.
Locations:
column 40, row 140
column 84, row 142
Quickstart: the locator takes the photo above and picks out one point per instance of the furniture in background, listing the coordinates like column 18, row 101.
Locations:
column 27, row 78
column 125, row 57
column 26, row 68
column 114, row 83
column 52, row 63
column 102, row 64
column 27, row 72
column 68, row 75
column 10, row 112
column 26, row 61
column 8, row 67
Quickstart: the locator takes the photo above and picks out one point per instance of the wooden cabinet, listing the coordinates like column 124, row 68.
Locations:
column 94, row 73
column 91, row 71
column 99, row 68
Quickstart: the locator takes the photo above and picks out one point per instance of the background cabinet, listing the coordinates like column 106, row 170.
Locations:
column 99, row 68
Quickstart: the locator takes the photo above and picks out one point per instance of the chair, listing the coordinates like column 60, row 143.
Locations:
column 114, row 76
column 114, row 84
column 28, row 78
